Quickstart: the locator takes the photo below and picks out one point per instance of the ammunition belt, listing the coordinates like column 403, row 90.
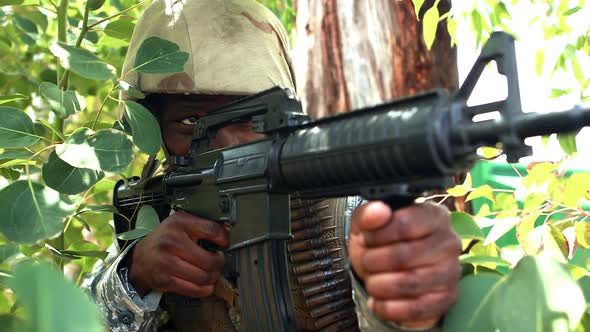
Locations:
column 319, row 283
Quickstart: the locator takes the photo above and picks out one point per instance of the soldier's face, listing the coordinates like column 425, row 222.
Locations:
column 178, row 115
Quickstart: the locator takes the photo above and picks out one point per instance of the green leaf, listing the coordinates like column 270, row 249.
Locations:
column 568, row 143
column 490, row 152
column 15, row 154
column 501, row 227
column 82, row 62
column 107, row 150
column 147, row 222
column 131, row 90
column 144, row 127
column 556, row 93
column 430, row 25
column 10, row 98
column 32, row 212
column 482, row 260
column 95, row 254
column 66, row 179
column 482, row 191
column 472, row 312
column 525, row 226
column 52, row 128
column 95, row 4
column 10, row 174
column 546, row 240
column 53, row 304
column 465, row 227
column 62, row 103
column 583, row 234
column 417, row 6
column 16, row 129
column 458, row 190
column 539, row 61
column 539, row 295
column 10, row 2
column 120, row 29
column 159, row 56
column 584, row 283
column 7, row 250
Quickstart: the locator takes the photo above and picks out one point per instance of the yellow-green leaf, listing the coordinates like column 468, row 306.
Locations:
column 583, row 233
column 430, row 25
column 483, row 191
column 458, row 190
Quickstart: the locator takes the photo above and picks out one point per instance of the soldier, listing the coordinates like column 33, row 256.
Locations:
column 405, row 265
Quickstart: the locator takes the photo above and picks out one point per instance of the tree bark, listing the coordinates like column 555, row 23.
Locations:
column 352, row 54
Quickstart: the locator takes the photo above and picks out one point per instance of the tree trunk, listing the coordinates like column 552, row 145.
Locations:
column 351, row 54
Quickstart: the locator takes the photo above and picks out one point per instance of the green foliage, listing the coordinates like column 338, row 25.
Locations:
column 59, row 152
column 52, row 303
column 539, row 295
column 62, row 149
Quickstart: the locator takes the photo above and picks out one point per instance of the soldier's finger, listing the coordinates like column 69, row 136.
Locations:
column 423, row 308
column 186, row 271
column 202, row 229
column 411, row 223
column 411, row 254
column 187, row 288
column 415, row 282
column 184, row 247
column 370, row 217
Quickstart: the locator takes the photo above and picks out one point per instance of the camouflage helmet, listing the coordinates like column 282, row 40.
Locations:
column 236, row 47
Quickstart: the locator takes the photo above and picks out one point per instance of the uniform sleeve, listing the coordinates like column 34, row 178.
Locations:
column 122, row 307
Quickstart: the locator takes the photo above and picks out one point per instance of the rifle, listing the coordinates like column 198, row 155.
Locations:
column 393, row 152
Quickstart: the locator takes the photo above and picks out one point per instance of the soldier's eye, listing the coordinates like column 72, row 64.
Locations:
column 190, row 121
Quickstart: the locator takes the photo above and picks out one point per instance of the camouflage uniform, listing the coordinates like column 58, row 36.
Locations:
column 236, row 47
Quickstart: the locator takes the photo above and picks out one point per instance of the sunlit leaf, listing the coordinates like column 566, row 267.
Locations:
column 106, row 150
column 120, row 29
column 568, row 143
column 10, row 2
column 159, row 56
column 483, row 260
column 10, row 98
column 147, row 221
column 483, row 191
column 52, row 303
column 82, row 62
column 31, row 212
column 62, row 103
column 501, row 227
column 131, row 90
column 16, row 129
column 458, row 190
column 417, row 6
column 539, row 61
column 542, row 289
column 490, row 152
column 546, row 240
column 525, row 226
column 473, row 308
column 67, row 179
column 144, row 127
column 430, row 25
column 583, row 234
column 465, row 227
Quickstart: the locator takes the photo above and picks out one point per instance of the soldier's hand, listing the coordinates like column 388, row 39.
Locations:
column 408, row 261
column 169, row 259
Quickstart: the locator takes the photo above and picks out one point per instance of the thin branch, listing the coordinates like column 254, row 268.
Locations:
column 118, row 14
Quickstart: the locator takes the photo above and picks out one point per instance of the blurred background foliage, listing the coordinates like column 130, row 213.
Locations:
column 547, row 210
